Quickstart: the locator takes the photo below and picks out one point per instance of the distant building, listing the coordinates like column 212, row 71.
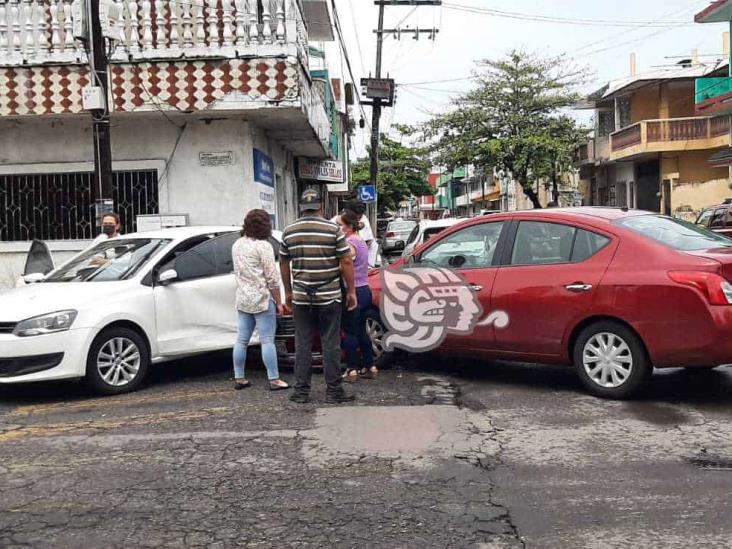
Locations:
column 651, row 149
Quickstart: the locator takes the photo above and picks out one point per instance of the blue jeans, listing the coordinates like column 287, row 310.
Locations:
column 357, row 342
column 266, row 323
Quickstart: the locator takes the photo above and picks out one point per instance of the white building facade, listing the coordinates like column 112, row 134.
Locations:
column 211, row 105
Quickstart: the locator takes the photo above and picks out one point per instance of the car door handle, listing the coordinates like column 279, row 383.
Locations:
column 578, row 287
column 475, row 287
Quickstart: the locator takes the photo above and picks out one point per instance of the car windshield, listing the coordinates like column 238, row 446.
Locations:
column 675, row 233
column 401, row 226
column 114, row 259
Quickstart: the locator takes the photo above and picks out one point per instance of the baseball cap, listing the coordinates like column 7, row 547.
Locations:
column 310, row 200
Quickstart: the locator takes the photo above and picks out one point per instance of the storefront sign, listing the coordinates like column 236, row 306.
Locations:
column 322, row 170
column 264, row 180
column 213, row 159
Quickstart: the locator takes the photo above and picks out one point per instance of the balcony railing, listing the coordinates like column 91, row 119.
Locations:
column 34, row 32
column 627, row 137
column 673, row 130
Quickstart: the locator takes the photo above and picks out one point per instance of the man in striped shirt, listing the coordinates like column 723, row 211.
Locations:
column 313, row 256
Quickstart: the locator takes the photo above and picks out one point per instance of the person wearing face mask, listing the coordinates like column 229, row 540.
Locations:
column 111, row 227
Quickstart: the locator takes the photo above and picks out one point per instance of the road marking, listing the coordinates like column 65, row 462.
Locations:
column 106, row 402
column 147, row 419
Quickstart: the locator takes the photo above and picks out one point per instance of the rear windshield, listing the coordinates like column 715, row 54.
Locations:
column 675, row 233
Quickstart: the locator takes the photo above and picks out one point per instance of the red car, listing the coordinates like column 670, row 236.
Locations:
column 615, row 293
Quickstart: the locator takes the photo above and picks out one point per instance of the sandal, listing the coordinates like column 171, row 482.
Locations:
column 239, row 385
column 369, row 373
column 278, row 385
column 350, row 376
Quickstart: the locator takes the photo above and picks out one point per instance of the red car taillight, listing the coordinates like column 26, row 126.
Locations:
column 390, row 235
column 716, row 289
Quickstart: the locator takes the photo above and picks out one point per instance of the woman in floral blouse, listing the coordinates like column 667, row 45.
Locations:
column 258, row 299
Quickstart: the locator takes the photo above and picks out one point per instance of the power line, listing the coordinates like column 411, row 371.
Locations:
column 339, row 31
column 358, row 38
column 559, row 20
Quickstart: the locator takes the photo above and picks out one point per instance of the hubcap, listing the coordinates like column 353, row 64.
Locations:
column 607, row 359
column 376, row 333
column 118, row 361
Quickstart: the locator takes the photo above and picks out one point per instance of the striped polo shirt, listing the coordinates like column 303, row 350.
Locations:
column 315, row 247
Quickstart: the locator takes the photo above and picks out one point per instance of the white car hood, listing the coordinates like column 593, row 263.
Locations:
column 47, row 297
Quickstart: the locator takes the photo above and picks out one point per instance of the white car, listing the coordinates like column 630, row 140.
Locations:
column 425, row 230
column 126, row 303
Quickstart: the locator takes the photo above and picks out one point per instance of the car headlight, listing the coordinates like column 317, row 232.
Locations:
column 45, row 324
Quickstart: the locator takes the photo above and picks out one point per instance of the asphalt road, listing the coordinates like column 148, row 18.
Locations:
column 470, row 455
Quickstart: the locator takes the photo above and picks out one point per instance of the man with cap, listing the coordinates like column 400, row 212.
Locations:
column 313, row 256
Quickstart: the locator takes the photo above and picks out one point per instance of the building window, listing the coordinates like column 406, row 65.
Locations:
column 605, row 123
column 60, row 206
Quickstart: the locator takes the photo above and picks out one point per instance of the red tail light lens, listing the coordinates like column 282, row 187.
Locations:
column 390, row 235
column 715, row 288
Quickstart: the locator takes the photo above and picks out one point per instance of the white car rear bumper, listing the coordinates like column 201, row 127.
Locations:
column 46, row 357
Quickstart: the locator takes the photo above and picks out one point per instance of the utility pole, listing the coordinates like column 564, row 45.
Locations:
column 100, row 116
column 376, row 111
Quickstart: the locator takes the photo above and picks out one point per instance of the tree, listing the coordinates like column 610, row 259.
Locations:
column 513, row 121
column 403, row 170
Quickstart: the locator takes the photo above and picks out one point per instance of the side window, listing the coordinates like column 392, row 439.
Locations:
column 471, row 248
column 717, row 221
column 540, row 243
column 224, row 260
column 207, row 259
column 704, row 218
column 587, row 244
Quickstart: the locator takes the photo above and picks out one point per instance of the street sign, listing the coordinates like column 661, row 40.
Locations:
column 367, row 194
column 321, row 170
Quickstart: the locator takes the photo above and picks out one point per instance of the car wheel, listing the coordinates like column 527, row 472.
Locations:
column 117, row 362
column 375, row 329
column 611, row 360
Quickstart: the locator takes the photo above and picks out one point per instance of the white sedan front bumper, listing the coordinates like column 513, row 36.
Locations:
column 45, row 357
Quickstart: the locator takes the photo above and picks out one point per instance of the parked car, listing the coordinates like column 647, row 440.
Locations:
column 613, row 292
column 424, row 230
column 717, row 218
column 126, row 303
column 396, row 235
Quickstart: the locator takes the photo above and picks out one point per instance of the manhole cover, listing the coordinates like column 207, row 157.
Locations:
column 712, row 462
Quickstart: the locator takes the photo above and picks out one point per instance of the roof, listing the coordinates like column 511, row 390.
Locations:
column 175, row 233
column 640, row 80
column 438, row 223
column 719, row 11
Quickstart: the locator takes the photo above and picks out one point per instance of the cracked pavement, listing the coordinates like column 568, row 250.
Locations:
column 475, row 455
column 188, row 462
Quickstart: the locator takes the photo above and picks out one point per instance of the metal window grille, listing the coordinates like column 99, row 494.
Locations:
column 60, row 206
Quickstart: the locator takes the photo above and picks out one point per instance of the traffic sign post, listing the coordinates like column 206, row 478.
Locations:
column 367, row 194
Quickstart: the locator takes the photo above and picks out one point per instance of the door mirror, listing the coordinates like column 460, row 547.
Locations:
column 399, row 245
column 167, row 276
column 39, row 260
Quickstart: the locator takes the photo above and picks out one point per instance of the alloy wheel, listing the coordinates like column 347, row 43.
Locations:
column 118, row 361
column 607, row 359
column 376, row 333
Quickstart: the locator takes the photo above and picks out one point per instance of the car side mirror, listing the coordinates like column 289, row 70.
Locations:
column 32, row 278
column 399, row 245
column 168, row 276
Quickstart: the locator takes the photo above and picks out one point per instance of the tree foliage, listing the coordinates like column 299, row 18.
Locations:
column 403, row 170
column 513, row 121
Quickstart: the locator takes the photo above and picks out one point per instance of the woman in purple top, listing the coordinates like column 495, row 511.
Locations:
column 356, row 343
